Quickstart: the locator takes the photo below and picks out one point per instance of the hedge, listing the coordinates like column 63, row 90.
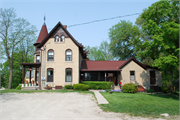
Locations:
column 98, row 84
column 80, row 87
column 129, row 88
column 68, row 86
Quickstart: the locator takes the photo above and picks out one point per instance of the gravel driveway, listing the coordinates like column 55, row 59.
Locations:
column 55, row 106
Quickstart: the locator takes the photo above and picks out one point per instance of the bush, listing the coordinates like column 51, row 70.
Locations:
column 129, row 88
column 98, row 84
column 81, row 87
column 68, row 86
column 64, row 88
column 150, row 90
column 18, row 87
column 165, row 89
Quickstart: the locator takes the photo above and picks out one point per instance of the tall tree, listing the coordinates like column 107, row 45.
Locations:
column 101, row 52
column 13, row 31
column 121, row 36
column 161, row 25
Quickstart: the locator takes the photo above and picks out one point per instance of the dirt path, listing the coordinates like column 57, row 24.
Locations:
column 55, row 106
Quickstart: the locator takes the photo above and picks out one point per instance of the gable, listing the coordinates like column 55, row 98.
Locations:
column 59, row 31
column 133, row 59
column 132, row 65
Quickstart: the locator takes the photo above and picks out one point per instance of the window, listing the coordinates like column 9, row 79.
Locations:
column 62, row 38
column 132, row 75
column 37, row 58
column 68, row 75
column 57, row 39
column 50, row 55
column 49, row 75
column 68, row 55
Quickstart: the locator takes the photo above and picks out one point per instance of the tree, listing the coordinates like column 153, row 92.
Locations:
column 101, row 52
column 13, row 31
column 121, row 36
column 17, row 70
column 160, row 22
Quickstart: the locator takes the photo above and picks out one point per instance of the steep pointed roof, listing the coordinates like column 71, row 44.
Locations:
column 43, row 33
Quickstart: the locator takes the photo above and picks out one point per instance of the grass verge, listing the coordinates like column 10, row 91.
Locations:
column 140, row 104
column 39, row 91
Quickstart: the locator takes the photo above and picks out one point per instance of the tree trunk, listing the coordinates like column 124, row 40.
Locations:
column 10, row 76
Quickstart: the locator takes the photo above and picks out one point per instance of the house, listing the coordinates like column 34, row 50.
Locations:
column 60, row 60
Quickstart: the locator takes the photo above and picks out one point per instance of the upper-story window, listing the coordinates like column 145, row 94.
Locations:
column 57, row 38
column 37, row 58
column 50, row 55
column 62, row 38
column 68, row 55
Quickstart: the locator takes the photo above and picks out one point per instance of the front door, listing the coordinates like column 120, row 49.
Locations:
column 152, row 77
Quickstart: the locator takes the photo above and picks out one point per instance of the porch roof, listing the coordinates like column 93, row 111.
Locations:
column 101, row 65
column 36, row 65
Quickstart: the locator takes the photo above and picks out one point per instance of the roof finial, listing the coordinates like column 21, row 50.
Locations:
column 44, row 19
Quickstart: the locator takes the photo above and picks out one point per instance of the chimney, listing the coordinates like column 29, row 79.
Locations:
column 65, row 26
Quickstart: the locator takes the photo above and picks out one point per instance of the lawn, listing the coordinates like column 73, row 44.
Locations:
column 141, row 104
column 35, row 91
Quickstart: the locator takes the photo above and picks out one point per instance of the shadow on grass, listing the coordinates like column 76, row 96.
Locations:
column 165, row 96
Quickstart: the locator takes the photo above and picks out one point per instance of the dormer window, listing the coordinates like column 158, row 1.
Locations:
column 57, row 39
column 62, row 38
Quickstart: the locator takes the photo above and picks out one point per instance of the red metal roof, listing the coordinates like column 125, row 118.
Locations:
column 101, row 65
column 43, row 33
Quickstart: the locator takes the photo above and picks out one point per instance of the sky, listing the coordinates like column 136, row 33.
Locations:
column 70, row 12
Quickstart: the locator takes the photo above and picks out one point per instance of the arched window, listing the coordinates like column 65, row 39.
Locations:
column 62, row 38
column 57, row 38
column 50, row 74
column 68, row 74
column 50, row 55
column 68, row 55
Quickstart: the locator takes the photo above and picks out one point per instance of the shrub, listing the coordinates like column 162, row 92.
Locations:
column 165, row 89
column 150, row 90
column 129, row 88
column 108, row 90
column 81, row 87
column 18, row 87
column 64, row 88
column 98, row 84
column 68, row 86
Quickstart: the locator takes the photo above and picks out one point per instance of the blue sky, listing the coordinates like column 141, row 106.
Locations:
column 70, row 12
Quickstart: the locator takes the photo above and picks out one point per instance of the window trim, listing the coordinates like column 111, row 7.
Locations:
column 50, row 50
column 52, row 75
column 55, row 38
column 61, row 38
column 134, row 75
column 66, row 75
column 39, row 58
column 66, row 55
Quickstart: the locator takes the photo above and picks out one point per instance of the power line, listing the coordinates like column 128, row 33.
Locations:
column 103, row 19
column 100, row 20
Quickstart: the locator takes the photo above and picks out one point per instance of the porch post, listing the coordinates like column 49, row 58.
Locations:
column 30, row 76
column 23, row 71
column 105, row 76
column 39, row 82
column 35, row 76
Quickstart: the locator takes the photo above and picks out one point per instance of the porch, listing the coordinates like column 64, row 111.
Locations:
column 35, row 84
column 109, row 76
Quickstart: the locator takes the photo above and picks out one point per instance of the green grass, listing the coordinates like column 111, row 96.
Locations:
column 141, row 104
column 39, row 91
